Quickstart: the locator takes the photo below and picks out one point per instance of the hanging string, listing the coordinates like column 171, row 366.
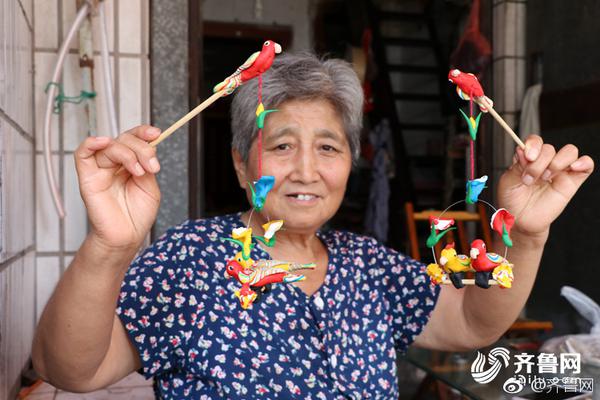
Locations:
column 259, row 129
column 472, row 144
column 472, row 160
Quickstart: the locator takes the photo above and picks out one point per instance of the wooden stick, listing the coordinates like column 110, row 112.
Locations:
column 469, row 282
column 182, row 121
column 187, row 117
column 482, row 102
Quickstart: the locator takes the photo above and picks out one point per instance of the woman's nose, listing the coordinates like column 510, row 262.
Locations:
column 305, row 167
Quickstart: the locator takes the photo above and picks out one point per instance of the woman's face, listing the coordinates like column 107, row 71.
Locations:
column 306, row 150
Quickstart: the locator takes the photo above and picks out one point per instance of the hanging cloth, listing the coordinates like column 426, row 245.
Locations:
column 473, row 52
column 530, row 112
column 376, row 219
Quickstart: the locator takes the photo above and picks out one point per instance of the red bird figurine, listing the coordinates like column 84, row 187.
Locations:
column 468, row 87
column 484, row 263
column 466, row 82
column 255, row 65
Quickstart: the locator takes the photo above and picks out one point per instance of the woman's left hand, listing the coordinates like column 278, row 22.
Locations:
column 540, row 183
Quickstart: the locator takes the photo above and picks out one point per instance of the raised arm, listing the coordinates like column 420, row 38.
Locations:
column 536, row 189
column 80, row 344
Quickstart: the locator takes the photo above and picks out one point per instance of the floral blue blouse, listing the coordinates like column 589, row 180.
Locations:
column 195, row 339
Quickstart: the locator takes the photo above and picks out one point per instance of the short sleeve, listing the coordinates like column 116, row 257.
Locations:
column 149, row 303
column 411, row 294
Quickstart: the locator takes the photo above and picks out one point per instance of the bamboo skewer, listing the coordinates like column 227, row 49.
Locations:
column 468, row 282
column 187, row 117
column 481, row 101
column 182, row 121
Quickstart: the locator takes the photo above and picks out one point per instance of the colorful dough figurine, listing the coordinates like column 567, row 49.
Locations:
column 484, row 263
column 257, row 278
column 254, row 66
column 455, row 265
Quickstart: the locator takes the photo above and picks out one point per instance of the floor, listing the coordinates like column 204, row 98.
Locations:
column 133, row 387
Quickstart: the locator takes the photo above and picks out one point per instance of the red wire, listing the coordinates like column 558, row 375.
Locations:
column 259, row 153
column 260, row 130
column 472, row 160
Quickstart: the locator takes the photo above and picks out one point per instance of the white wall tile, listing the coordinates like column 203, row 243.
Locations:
column 20, row 99
column 130, row 92
column 3, row 72
column 3, row 173
column 103, row 126
column 4, row 307
column 69, row 14
column 145, row 27
column 11, row 346
column 45, row 23
column 9, row 46
column 74, row 115
column 130, row 30
column 28, row 7
column 110, row 26
column 44, row 67
column 47, row 230
column 47, row 276
column 28, row 296
column 16, row 323
column 146, row 91
column 67, row 261
column 76, row 219
column 18, row 196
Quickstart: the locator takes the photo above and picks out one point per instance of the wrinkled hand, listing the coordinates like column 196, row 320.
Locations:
column 121, row 206
column 540, row 184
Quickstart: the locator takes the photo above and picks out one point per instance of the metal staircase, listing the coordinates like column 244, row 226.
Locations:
column 411, row 64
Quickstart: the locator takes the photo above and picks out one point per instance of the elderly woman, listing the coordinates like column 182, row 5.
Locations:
column 336, row 334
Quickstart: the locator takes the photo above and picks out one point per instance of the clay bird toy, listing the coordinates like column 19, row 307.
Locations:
column 484, row 263
column 257, row 279
column 255, row 65
column 468, row 87
column 436, row 274
column 455, row 265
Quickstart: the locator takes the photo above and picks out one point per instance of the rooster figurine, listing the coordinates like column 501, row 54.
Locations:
column 261, row 275
column 484, row 263
column 255, row 65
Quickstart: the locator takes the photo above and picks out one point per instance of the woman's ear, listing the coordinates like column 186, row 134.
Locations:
column 240, row 168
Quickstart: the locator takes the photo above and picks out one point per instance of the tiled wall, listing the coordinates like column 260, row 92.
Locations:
column 127, row 26
column 17, row 256
column 509, row 66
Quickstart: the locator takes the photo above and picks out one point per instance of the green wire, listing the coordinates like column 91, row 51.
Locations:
column 60, row 98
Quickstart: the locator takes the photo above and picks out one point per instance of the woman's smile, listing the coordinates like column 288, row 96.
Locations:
column 303, row 199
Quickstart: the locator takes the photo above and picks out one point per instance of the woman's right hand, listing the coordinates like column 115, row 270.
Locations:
column 121, row 206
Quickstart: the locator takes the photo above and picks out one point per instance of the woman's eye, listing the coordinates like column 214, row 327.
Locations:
column 283, row 146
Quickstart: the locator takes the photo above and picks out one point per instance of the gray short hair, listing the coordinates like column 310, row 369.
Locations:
column 301, row 76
